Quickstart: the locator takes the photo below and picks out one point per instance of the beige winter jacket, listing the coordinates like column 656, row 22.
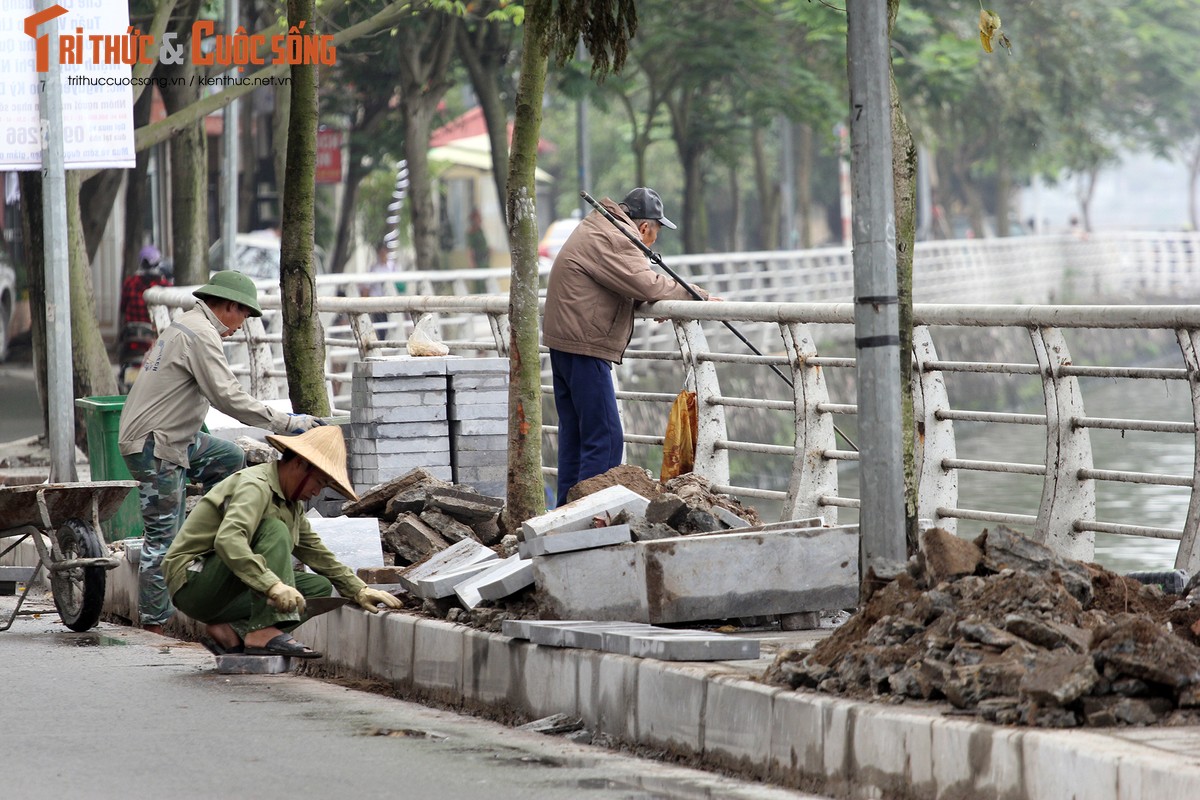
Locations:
column 183, row 373
column 597, row 279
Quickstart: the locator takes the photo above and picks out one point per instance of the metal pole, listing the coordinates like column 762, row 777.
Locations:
column 230, row 166
column 60, row 378
column 876, row 310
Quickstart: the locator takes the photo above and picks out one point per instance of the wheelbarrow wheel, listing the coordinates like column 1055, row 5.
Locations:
column 79, row 592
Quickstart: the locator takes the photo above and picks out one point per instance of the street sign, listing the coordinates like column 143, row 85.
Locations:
column 97, row 92
column 329, row 155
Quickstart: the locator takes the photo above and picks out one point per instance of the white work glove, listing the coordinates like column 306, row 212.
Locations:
column 368, row 598
column 285, row 598
column 299, row 423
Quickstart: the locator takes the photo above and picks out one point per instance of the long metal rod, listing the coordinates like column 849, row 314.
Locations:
column 657, row 259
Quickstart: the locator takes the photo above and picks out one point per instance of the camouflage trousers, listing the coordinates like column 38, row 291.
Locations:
column 162, row 495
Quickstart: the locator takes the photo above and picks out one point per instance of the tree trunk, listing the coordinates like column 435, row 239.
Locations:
column 97, row 196
column 93, row 373
column 695, row 227
column 137, row 194
column 525, row 487
column 484, row 51
column 303, row 337
column 345, row 224
column 1193, row 177
column 425, row 47
column 804, row 172
column 280, row 121
column 904, row 183
column 189, row 180
column 767, row 182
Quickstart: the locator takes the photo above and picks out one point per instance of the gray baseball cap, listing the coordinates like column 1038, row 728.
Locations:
column 645, row 203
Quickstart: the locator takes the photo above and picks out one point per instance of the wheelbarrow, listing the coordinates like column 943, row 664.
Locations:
column 63, row 519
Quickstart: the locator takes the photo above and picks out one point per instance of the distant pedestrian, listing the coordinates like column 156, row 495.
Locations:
column 133, row 289
column 477, row 243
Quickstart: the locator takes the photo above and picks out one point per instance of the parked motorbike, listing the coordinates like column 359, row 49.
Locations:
column 134, row 342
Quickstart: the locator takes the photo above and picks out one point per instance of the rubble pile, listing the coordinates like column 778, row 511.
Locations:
column 1005, row 630
column 420, row 515
column 444, row 544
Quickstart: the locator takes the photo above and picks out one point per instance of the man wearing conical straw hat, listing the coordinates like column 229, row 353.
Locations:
column 231, row 564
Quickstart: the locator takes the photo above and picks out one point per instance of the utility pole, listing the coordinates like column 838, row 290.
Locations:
column 876, row 306
column 60, row 374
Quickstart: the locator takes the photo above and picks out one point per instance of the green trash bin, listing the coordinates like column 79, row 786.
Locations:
column 103, row 418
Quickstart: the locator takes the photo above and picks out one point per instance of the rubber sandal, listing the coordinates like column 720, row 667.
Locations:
column 283, row 645
column 212, row 646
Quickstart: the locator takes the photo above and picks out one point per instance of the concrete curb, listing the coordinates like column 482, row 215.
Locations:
column 719, row 713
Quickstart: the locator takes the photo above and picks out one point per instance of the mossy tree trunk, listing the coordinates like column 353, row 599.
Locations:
column 303, row 336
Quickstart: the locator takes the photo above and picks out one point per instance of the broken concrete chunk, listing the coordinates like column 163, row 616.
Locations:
column 412, row 540
column 373, row 501
column 1060, row 678
column 465, row 506
column 947, row 556
column 727, row 518
column 641, row 530
column 667, row 509
column 450, row 529
column 1007, row 549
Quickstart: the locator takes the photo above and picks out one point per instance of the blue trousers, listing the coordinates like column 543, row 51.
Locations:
column 590, row 438
column 162, row 493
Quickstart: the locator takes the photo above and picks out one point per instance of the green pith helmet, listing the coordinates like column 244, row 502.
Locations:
column 232, row 285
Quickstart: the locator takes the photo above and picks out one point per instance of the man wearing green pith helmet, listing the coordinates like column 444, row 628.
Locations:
column 160, row 439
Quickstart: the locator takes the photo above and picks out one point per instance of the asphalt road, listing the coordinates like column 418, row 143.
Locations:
column 120, row 713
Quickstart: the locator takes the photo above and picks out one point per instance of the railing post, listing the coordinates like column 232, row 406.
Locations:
column 711, row 463
column 259, row 360
column 364, row 333
column 1065, row 496
column 813, row 475
column 501, row 332
column 1188, row 555
column 937, row 487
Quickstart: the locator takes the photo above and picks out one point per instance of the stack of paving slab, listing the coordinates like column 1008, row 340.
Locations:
column 447, row 415
column 478, row 412
column 398, row 419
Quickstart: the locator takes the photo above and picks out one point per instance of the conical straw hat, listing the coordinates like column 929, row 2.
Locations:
column 324, row 448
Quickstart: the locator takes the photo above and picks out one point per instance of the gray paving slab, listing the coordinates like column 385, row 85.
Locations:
column 579, row 514
column 379, row 367
column 513, row 575
column 570, row 541
column 459, row 554
column 442, row 584
column 354, row 540
column 241, row 664
column 689, row 646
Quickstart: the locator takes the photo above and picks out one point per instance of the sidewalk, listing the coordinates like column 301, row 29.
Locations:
column 721, row 714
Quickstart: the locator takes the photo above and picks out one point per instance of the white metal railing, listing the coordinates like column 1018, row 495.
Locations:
column 808, row 342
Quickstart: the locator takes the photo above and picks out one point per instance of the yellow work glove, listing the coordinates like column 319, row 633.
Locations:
column 285, row 598
column 368, row 598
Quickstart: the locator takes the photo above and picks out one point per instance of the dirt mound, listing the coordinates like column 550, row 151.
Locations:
column 1023, row 638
